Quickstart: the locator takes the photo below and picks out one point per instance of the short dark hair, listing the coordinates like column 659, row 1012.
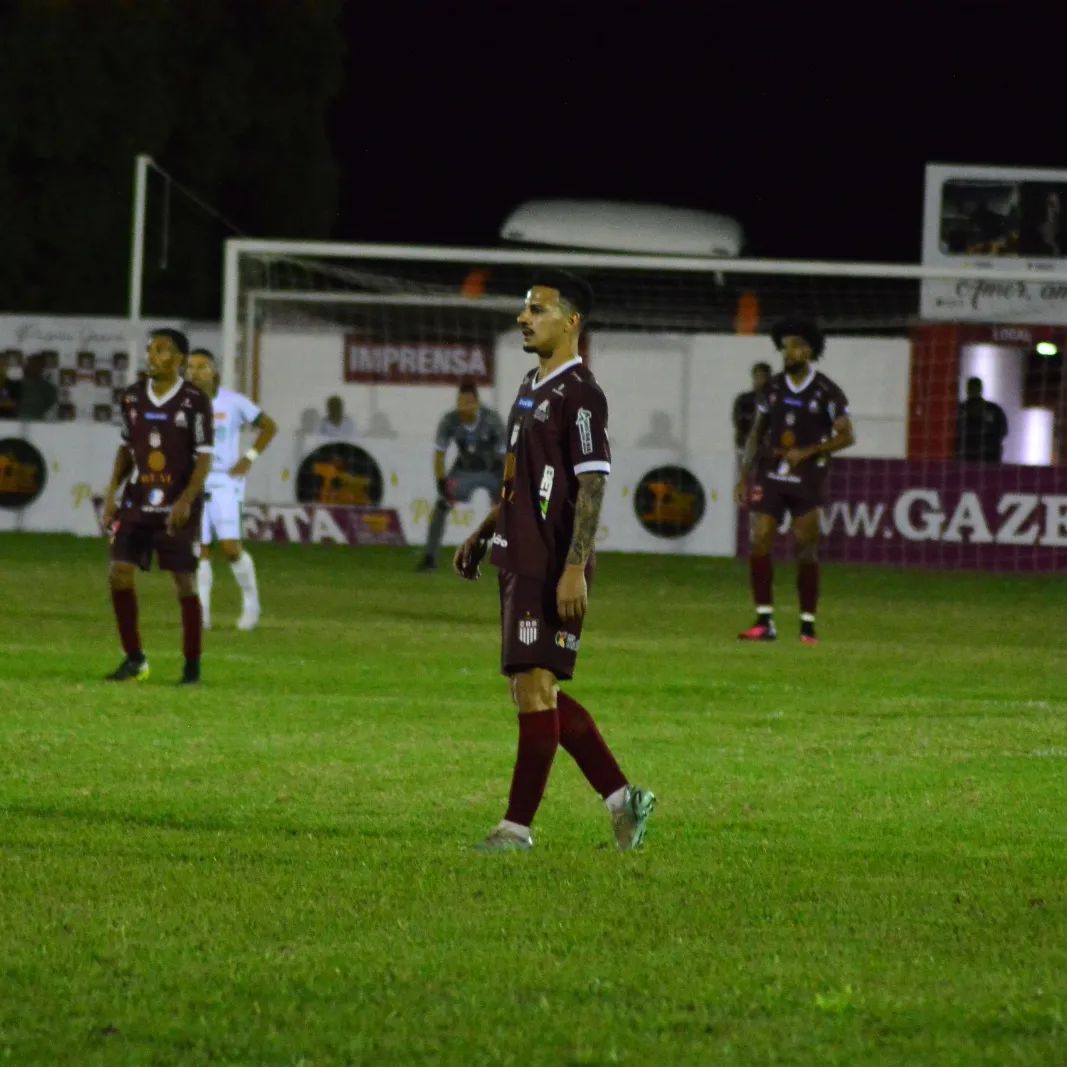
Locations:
column 467, row 386
column 806, row 328
column 176, row 337
column 576, row 291
column 205, row 352
column 764, row 367
column 973, row 383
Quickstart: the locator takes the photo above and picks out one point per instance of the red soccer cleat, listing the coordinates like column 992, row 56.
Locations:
column 762, row 631
column 808, row 639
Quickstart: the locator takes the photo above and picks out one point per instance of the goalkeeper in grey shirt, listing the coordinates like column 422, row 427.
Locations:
column 478, row 435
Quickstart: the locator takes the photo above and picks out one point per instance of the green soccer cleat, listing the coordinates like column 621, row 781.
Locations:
column 131, row 669
column 630, row 821
column 503, row 839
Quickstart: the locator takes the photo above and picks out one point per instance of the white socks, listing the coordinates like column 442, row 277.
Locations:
column 617, row 800
column 205, row 577
column 244, row 570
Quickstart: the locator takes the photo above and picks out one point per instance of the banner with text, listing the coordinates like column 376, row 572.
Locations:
column 942, row 514
column 416, row 362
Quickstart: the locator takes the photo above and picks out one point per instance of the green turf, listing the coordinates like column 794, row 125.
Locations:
column 858, row 857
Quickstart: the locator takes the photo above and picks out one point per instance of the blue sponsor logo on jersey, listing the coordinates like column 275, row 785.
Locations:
column 525, row 402
column 793, row 403
column 155, row 416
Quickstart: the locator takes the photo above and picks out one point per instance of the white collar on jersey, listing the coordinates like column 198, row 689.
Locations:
column 804, row 384
column 538, row 382
column 159, row 401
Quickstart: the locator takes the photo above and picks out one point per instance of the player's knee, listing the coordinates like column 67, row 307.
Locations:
column 535, row 690
column 120, row 576
column 205, row 552
column 231, row 550
column 184, row 585
column 808, row 551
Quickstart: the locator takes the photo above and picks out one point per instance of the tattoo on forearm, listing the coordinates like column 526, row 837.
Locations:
column 586, row 516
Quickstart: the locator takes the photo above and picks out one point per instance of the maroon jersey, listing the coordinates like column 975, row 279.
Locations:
column 797, row 416
column 164, row 435
column 557, row 429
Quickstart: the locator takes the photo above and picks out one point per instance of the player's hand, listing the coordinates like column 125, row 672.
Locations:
column 444, row 490
column 468, row 557
column 795, row 456
column 107, row 516
column 572, row 593
column 179, row 514
column 741, row 493
column 241, row 467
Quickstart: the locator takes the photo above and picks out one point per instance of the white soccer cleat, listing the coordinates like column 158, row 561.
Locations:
column 249, row 619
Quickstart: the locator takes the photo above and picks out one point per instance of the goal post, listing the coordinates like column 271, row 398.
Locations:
column 393, row 329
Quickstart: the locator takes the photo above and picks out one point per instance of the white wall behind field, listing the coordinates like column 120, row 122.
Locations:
column 671, row 391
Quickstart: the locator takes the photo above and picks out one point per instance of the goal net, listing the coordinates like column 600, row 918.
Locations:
column 939, row 476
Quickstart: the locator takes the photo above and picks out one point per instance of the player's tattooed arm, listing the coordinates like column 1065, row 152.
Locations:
column 586, row 517
column 119, row 472
column 572, row 592
column 748, row 457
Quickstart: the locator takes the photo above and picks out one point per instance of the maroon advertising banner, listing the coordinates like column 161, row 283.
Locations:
column 996, row 517
column 416, row 362
column 318, row 524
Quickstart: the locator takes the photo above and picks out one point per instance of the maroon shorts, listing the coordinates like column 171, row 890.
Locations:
column 134, row 542
column 531, row 631
column 771, row 497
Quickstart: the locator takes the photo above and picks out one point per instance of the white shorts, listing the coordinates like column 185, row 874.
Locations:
column 222, row 512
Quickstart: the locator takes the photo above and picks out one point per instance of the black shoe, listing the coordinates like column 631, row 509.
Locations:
column 426, row 565
column 131, row 669
column 190, row 673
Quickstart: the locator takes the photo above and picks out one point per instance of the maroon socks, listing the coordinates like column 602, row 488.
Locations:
column 761, row 571
column 124, row 601
column 192, row 620
column 538, row 741
column 808, row 586
column 580, row 738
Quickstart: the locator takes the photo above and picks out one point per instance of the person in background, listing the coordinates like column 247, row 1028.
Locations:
column 744, row 413
column 981, row 427
column 9, row 394
column 478, row 435
column 38, row 396
column 336, row 423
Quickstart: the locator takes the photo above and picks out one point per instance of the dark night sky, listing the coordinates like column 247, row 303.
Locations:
column 811, row 129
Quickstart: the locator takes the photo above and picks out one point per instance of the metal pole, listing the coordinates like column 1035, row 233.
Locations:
column 230, row 312
column 140, row 188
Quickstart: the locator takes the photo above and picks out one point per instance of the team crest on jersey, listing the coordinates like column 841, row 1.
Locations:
column 584, row 422
column 180, row 420
column 813, row 407
column 155, row 440
column 528, row 630
column 542, row 412
column 790, row 418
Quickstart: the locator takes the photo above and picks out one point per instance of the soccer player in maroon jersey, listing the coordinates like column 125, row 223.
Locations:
column 165, row 455
column 542, row 535
column 801, row 418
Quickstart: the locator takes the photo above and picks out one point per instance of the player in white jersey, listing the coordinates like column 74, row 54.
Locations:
column 225, row 486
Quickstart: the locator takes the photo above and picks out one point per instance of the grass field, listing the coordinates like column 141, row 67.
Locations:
column 859, row 854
